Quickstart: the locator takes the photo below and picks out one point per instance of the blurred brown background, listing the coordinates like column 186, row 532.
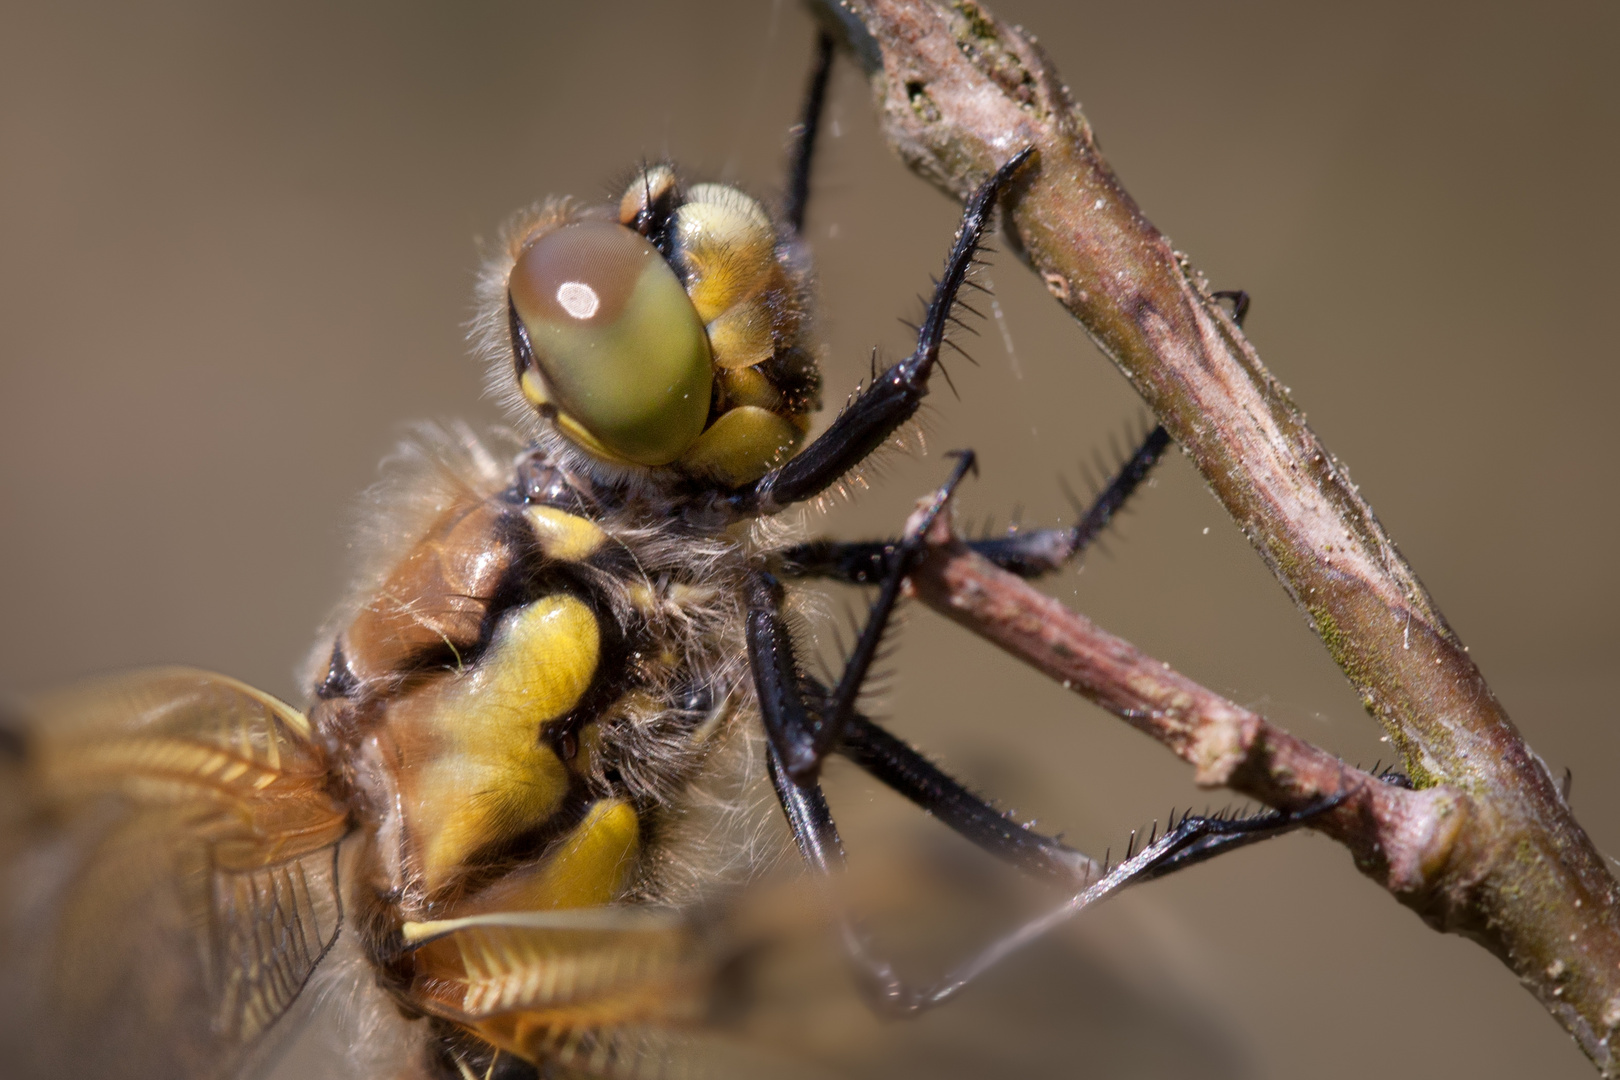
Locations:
column 236, row 251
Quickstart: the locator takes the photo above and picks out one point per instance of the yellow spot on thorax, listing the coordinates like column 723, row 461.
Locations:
column 591, row 866
column 563, row 536
column 483, row 772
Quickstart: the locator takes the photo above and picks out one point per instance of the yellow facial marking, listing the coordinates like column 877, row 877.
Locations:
column 724, row 246
column 748, row 386
column 589, row 867
column 489, row 776
column 744, row 334
column 594, row 864
column 534, row 389
column 563, row 536
column 742, row 445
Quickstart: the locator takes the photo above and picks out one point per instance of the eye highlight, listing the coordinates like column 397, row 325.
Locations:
column 615, row 344
column 578, row 299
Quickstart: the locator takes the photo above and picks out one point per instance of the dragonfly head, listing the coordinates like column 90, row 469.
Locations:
column 608, row 343
column 667, row 336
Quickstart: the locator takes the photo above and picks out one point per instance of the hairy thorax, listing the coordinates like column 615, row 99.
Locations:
column 522, row 699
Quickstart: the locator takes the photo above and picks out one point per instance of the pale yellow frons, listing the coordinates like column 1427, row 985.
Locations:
column 742, row 445
column 744, row 334
column 724, row 246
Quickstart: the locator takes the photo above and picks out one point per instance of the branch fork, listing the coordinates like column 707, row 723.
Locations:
column 1400, row 837
column 1486, row 846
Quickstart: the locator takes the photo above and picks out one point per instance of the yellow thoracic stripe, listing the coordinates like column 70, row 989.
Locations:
column 563, row 536
column 589, row 866
column 482, row 774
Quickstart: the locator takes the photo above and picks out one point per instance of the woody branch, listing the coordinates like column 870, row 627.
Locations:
column 1486, row 847
column 1395, row 834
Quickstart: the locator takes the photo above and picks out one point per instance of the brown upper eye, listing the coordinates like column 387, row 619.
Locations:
column 581, row 274
column 617, row 347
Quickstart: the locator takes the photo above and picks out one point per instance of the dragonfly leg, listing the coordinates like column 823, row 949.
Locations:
column 1040, row 551
column 1188, row 840
column 799, row 713
column 803, row 732
column 1029, row 554
column 907, row 772
column 894, row 396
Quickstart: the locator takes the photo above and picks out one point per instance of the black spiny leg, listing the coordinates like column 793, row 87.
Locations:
column 792, row 726
column 798, row 712
column 894, row 396
column 798, row 732
column 805, row 721
column 1028, row 554
column 816, row 836
column 902, row 769
column 911, row 775
column 797, row 197
column 1042, row 551
column 795, row 710
column 804, row 736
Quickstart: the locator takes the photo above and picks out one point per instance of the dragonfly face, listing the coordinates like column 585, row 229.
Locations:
column 668, row 344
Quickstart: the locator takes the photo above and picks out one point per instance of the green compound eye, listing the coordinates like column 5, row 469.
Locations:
column 617, row 347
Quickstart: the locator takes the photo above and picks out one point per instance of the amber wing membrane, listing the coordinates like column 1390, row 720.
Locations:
column 601, row 991
column 637, row 992
column 169, row 874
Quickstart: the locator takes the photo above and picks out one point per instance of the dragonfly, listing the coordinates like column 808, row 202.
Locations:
column 548, row 694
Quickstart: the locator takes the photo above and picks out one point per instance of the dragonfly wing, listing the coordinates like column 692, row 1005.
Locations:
column 171, row 877
column 602, row 991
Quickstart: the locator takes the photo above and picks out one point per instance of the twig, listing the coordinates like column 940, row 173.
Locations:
column 958, row 93
column 1398, row 837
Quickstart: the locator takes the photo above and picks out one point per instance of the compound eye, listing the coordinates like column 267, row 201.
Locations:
column 616, row 345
